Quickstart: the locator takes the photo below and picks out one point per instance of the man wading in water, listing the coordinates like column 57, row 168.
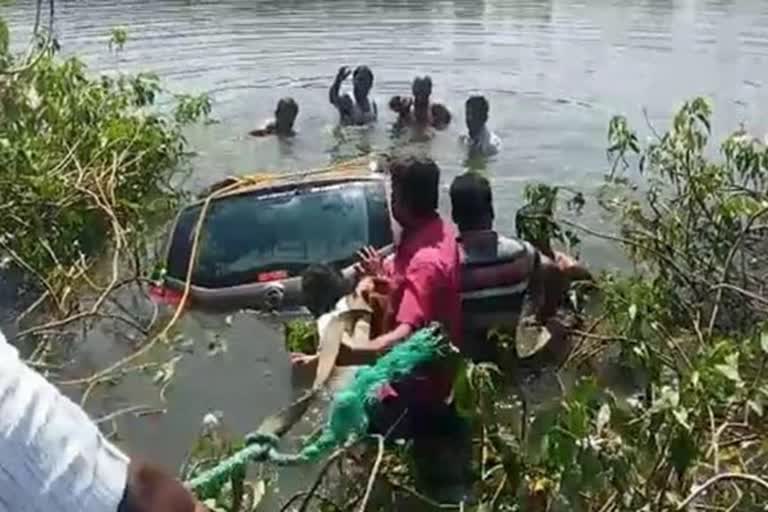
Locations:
column 499, row 274
column 282, row 124
column 419, row 110
column 360, row 110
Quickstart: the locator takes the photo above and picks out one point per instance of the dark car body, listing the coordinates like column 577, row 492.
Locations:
column 256, row 240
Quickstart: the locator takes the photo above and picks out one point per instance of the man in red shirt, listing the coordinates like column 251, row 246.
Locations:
column 424, row 280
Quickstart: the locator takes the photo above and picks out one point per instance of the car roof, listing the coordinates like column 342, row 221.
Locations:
column 354, row 170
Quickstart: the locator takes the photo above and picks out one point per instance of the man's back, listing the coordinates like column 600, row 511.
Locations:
column 495, row 276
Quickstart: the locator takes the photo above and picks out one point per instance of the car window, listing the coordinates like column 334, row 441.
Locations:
column 248, row 236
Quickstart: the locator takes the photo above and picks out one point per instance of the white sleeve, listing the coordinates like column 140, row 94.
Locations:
column 52, row 456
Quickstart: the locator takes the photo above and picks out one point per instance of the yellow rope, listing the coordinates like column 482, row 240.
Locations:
column 255, row 181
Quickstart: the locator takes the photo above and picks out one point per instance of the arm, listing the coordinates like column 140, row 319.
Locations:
column 416, row 309
column 376, row 347
column 333, row 92
column 65, row 463
column 269, row 129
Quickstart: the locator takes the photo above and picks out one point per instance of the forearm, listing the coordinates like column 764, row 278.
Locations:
column 368, row 354
column 333, row 92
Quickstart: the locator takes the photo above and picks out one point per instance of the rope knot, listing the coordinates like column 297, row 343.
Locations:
column 264, row 439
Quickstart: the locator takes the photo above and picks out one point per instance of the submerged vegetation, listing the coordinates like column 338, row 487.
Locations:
column 89, row 166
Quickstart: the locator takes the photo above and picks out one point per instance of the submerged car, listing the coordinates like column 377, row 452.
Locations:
column 256, row 240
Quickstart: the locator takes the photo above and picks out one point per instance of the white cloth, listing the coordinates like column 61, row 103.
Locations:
column 486, row 142
column 53, row 458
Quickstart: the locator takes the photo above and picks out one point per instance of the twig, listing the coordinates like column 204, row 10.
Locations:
column 728, row 260
column 498, row 492
column 717, row 478
column 746, row 293
column 121, row 412
column 33, row 306
column 320, row 497
column 425, row 499
column 374, row 473
column 308, row 498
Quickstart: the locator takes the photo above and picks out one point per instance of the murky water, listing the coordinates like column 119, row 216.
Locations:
column 554, row 71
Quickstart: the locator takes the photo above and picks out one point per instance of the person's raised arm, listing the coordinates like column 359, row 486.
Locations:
column 333, row 92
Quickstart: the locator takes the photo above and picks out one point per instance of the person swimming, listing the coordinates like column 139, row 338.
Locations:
column 358, row 111
column 479, row 139
column 419, row 110
column 282, row 125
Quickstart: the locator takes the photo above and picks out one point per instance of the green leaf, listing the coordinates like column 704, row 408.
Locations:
column 764, row 341
column 682, row 451
column 756, row 406
column 632, row 312
column 463, row 394
column 543, row 423
column 731, row 367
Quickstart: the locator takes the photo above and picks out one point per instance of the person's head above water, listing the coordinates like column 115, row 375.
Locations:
column 421, row 89
column 362, row 81
column 285, row 115
column 400, row 105
column 476, row 112
column 471, row 202
column 321, row 287
column 441, row 116
column 415, row 188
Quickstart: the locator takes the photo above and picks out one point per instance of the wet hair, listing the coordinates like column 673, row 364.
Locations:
column 422, row 86
column 441, row 116
column 479, row 104
column 471, row 201
column 321, row 288
column 289, row 104
column 417, row 181
column 397, row 104
column 363, row 73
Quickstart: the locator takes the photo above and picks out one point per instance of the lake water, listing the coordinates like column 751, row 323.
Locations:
column 554, row 72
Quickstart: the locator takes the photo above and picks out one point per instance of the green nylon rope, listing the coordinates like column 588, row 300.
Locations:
column 348, row 418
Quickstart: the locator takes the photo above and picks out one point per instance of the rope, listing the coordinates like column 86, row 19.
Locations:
column 347, row 420
column 349, row 167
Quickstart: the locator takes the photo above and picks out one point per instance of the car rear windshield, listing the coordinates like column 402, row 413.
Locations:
column 252, row 237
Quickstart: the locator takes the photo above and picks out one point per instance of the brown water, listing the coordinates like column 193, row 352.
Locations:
column 554, row 71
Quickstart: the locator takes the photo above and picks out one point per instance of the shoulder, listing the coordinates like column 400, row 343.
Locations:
column 493, row 142
column 513, row 247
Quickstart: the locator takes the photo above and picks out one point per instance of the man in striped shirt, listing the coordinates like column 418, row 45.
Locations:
column 499, row 273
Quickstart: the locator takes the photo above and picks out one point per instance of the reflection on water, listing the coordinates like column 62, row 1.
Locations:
column 554, row 72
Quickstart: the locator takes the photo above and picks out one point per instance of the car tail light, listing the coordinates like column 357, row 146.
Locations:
column 162, row 295
column 275, row 275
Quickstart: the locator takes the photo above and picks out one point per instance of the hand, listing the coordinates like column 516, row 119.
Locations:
column 343, row 73
column 299, row 359
column 572, row 269
column 371, row 263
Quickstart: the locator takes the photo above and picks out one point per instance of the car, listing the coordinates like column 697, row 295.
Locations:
column 258, row 237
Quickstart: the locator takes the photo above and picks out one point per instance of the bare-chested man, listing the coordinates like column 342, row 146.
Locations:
column 359, row 110
column 282, row 124
column 419, row 110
